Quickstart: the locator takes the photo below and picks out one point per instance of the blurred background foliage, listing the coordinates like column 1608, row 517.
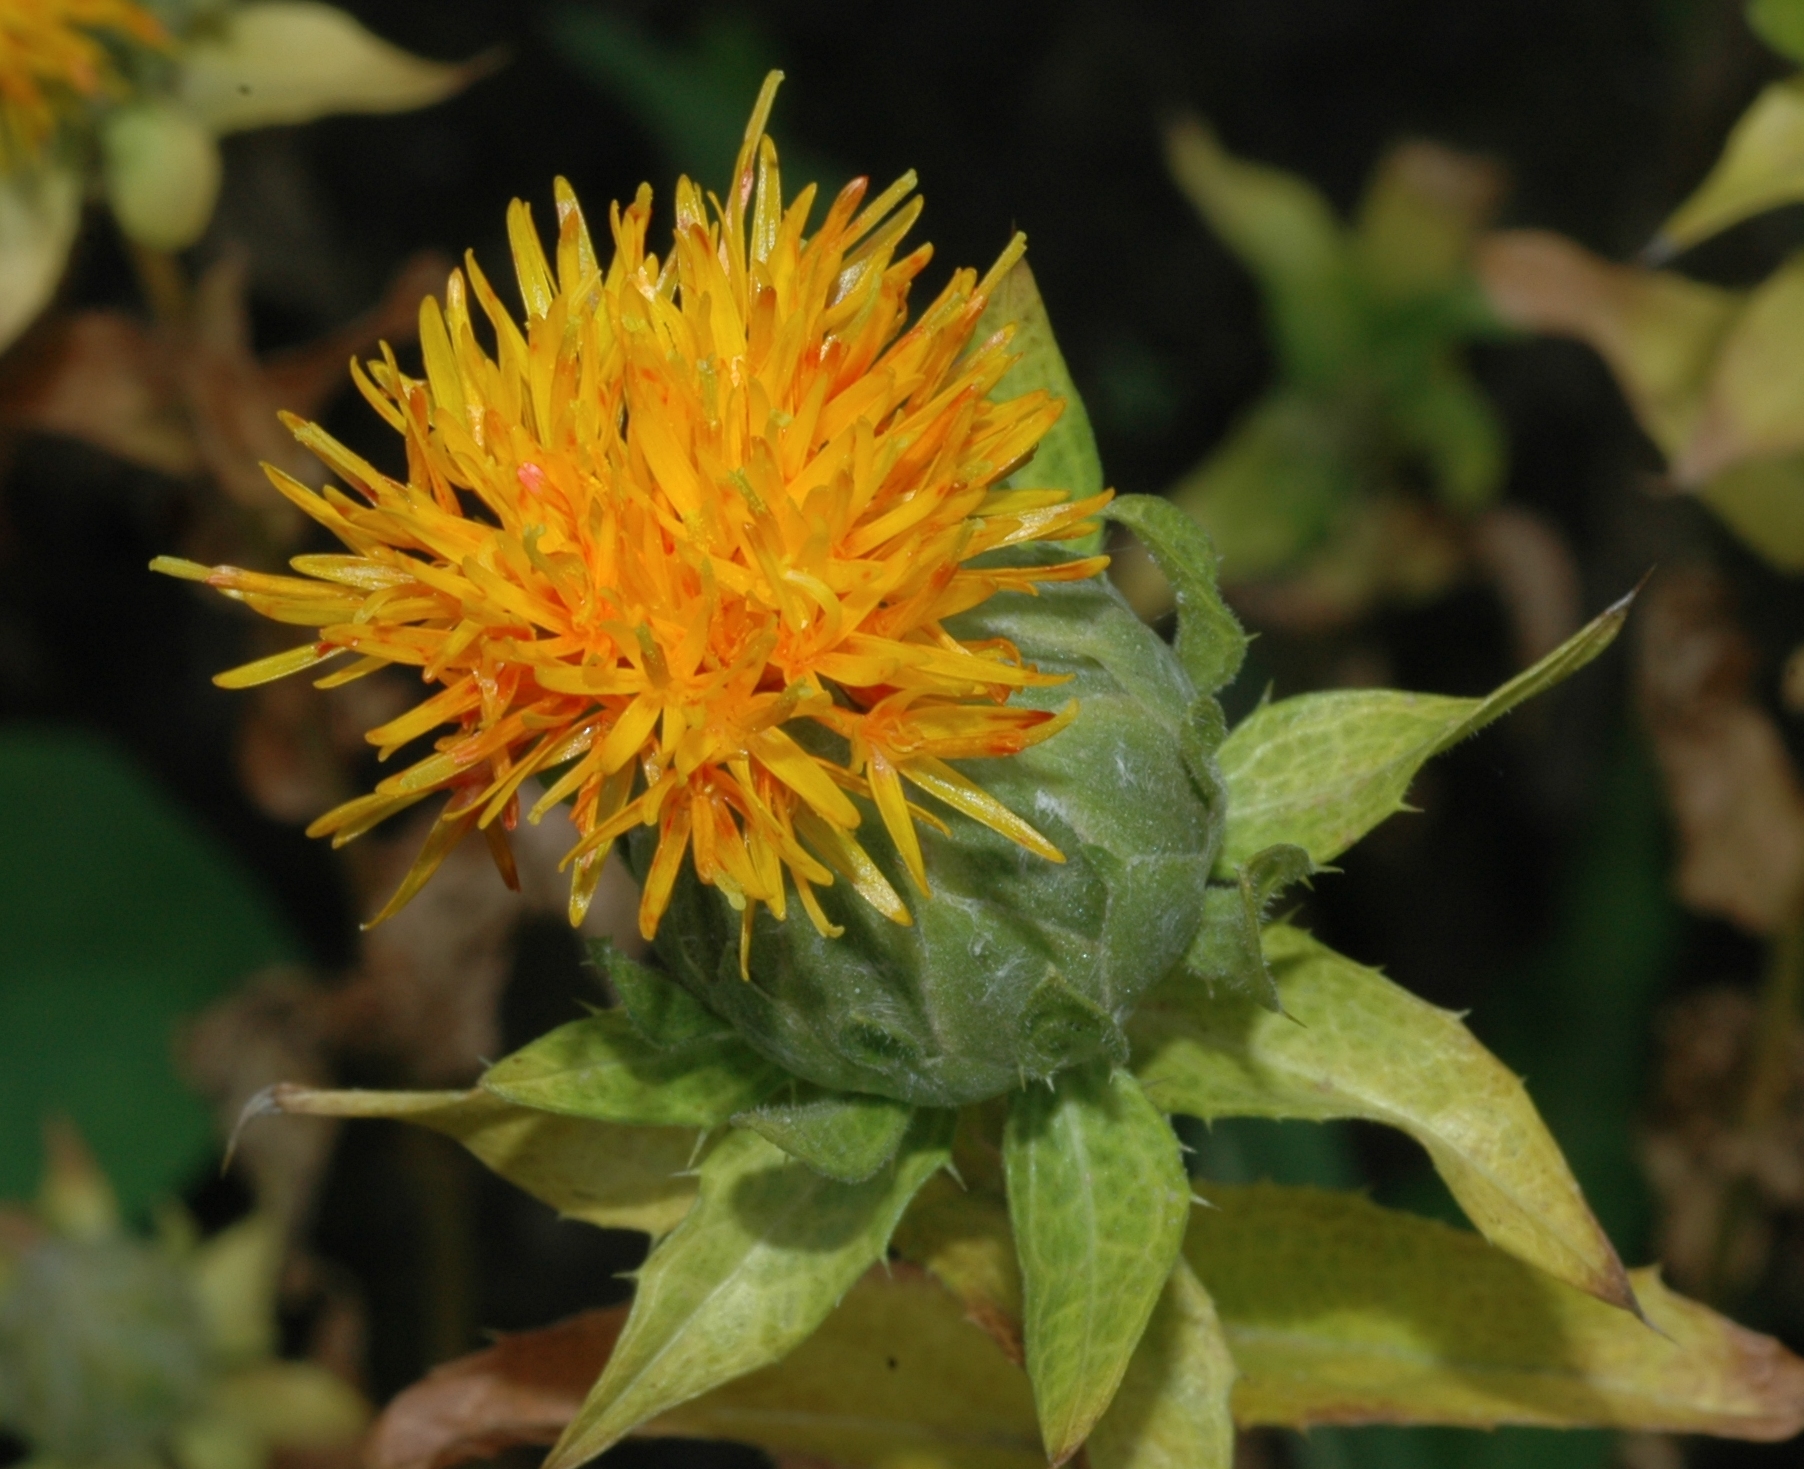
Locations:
column 1466, row 491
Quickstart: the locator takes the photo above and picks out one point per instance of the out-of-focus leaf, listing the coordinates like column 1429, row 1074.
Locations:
column 1444, row 417
column 1780, row 23
column 961, row 1236
column 1210, row 644
column 88, row 1009
column 234, row 1278
column 1762, row 501
column 1067, row 456
column 1273, row 490
column 1419, row 216
column 296, row 1405
column 1761, row 167
column 603, row 1068
column 1732, row 787
column 663, row 1011
column 1321, row 770
column 1754, row 405
column 1352, row 1044
column 287, row 61
column 693, row 98
column 614, row 1176
column 1338, row 1311
column 1172, row 1411
column 764, row 1256
column 1098, row 1197
column 1531, row 567
column 1658, row 331
column 1287, row 234
column 893, row 1379
column 162, row 171
column 843, row 1135
column 39, row 212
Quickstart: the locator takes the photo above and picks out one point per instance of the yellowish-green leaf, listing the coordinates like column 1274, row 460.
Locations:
column 162, row 171
column 297, row 1405
column 39, row 211
column 1067, row 458
column 603, row 1068
column 1658, row 331
column 768, row 1250
column 287, row 61
column 1352, row 1044
column 1754, row 408
column 893, row 1379
column 234, row 1281
column 1098, row 1198
column 615, row 1176
column 1762, row 501
column 1172, row 1411
column 1273, row 490
column 1761, row 168
column 843, row 1135
column 1418, row 218
column 1321, row 770
column 1210, row 643
column 1448, row 420
column 1338, row 1311
column 1780, row 23
column 1286, row 233
column 961, row 1236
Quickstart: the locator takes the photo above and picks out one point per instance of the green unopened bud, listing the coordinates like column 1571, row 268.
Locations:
column 162, row 171
column 1016, row 967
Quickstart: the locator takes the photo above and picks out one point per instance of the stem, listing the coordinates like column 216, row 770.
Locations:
column 164, row 284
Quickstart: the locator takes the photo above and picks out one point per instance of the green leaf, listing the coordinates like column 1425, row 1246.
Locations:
column 40, row 210
column 1098, row 1198
column 1286, row 233
column 843, row 1135
column 1067, row 458
column 89, row 1011
column 1275, row 488
column 663, row 1011
column 1321, row 770
column 1227, row 952
column 1338, row 1311
column 1754, row 404
column 1172, row 1411
column 289, row 61
column 1449, row 421
column 600, row 1172
column 603, row 1068
column 767, row 1251
column 1210, row 644
column 1761, row 168
column 1780, row 23
column 1352, row 1044
column 893, row 1379
column 1760, row 501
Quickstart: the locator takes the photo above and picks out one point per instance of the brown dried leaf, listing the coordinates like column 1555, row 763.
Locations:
column 1735, row 797
column 1526, row 559
column 522, row 1390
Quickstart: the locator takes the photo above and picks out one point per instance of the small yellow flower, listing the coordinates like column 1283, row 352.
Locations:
column 54, row 53
column 690, row 540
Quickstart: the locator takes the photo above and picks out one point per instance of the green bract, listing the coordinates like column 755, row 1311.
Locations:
column 1016, row 967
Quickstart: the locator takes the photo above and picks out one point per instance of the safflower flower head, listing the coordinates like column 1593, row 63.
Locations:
column 55, row 54
column 684, row 545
